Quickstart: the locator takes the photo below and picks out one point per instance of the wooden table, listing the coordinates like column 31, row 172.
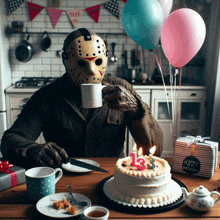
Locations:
column 15, row 204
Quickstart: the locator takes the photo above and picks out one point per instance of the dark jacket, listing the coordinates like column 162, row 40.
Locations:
column 55, row 110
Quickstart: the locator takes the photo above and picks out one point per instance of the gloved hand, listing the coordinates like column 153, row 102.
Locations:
column 121, row 99
column 49, row 154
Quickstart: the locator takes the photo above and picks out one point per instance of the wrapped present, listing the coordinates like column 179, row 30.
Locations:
column 195, row 156
column 10, row 175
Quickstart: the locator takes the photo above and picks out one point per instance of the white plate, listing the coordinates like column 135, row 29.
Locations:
column 72, row 168
column 45, row 205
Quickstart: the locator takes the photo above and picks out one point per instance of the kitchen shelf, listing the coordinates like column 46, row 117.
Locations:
column 40, row 32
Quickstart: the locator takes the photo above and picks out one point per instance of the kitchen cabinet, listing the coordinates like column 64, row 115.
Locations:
column 188, row 104
column 15, row 100
column 189, row 108
column 190, row 111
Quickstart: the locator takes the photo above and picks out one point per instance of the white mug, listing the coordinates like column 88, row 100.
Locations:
column 92, row 95
column 96, row 213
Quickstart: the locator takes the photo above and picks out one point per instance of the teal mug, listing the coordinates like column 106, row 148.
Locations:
column 41, row 181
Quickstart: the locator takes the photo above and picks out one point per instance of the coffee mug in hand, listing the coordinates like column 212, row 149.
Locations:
column 92, row 95
column 41, row 181
column 96, row 213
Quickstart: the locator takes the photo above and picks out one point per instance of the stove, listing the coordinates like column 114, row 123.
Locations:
column 34, row 82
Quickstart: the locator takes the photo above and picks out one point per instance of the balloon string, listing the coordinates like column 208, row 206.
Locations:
column 159, row 66
column 172, row 95
column 176, row 104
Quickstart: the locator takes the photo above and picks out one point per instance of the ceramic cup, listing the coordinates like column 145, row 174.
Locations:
column 96, row 213
column 92, row 95
column 41, row 181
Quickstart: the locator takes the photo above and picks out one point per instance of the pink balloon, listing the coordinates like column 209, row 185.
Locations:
column 166, row 6
column 182, row 35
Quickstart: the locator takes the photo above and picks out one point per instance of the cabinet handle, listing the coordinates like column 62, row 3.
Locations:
column 193, row 94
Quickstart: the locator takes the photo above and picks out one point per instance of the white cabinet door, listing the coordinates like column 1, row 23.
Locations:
column 15, row 102
column 162, row 110
column 145, row 94
column 187, row 106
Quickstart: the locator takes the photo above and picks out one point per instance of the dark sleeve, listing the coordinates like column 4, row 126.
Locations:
column 24, row 132
column 144, row 128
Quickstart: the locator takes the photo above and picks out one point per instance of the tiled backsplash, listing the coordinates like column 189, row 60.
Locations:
column 48, row 64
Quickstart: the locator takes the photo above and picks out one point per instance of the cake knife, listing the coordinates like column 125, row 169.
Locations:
column 84, row 165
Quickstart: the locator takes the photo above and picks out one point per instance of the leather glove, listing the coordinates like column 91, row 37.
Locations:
column 49, row 154
column 119, row 98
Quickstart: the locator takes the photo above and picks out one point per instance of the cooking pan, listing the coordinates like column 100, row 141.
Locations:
column 45, row 42
column 24, row 51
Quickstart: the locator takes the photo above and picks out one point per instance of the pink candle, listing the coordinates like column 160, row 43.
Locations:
column 134, row 158
column 141, row 160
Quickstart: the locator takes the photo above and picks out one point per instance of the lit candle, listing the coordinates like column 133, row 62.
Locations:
column 151, row 166
column 134, row 155
column 140, row 160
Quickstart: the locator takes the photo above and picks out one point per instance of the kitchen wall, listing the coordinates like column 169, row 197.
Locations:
column 49, row 65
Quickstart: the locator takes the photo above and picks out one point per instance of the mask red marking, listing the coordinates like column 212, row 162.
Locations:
column 90, row 58
column 101, row 72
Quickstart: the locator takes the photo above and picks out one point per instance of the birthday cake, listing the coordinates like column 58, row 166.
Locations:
column 148, row 186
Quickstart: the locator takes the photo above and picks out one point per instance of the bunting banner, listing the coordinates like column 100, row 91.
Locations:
column 14, row 4
column 74, row 17
column 125, row 1
column 113, row 7
column 55, row 15
column 94, row 12
column 34, row 10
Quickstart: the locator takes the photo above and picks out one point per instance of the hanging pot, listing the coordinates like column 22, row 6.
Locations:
column 45, row 42
column 24, row 51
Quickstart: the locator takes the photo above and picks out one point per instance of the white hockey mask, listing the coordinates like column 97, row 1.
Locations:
column 85, row 57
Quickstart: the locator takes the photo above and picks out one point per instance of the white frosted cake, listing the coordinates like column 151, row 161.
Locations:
column 148, row 187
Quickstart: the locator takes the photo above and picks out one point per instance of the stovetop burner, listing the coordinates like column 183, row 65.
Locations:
column 34, row 82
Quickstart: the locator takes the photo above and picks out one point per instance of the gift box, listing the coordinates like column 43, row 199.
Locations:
column 195, row 156
column 10, row 176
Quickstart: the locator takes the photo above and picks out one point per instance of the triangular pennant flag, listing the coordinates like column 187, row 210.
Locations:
column 94, row 12
column 14, row 4
column 125, row 1
column 55, row 15
column 74, row 17
column 34, row 10
column 113, row 7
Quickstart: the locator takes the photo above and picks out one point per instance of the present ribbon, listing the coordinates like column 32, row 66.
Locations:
column 4, row 168
column 191, row 142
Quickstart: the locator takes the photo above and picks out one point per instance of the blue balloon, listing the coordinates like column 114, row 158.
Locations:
column 142, row 21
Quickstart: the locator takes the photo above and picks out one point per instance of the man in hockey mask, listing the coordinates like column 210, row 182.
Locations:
column 68, row 128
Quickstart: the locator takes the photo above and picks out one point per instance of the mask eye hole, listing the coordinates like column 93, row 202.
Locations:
column 98, row 62
column 81, row 63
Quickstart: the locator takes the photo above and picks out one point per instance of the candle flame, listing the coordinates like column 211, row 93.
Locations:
column 140, row 151
column 134, row 147
column 153, row 149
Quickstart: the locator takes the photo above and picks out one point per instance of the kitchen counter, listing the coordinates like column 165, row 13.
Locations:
column 12, row 88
